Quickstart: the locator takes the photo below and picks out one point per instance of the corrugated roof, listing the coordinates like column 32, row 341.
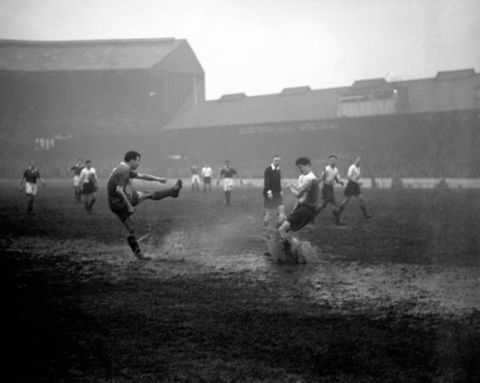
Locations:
column 455, row 74
column 268, row 109
column 18, row 55
column 303, row 104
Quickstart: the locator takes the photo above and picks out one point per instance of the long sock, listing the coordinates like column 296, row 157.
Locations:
column 132, row 242
column 161, row 194
column 30, row 205
column 91, row 203
column 365, row 212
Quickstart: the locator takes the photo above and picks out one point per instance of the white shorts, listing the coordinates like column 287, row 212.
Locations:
column 195, row 179
column 76, row 180
column 227, row 184
column 30, row 188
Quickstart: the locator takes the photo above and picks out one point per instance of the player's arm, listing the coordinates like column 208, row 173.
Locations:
column 239, row 178
column 267, row 183
column 41, row 180
column 338, row 180
column 149, row 177
column 219, row 178
column 81, row 178
column 121, row 192
column 299, row 191
column 22, row 182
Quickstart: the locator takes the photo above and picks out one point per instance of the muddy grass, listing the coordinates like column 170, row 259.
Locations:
column 393, row 299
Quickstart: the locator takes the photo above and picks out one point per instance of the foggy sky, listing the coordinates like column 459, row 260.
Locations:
column 263, row 46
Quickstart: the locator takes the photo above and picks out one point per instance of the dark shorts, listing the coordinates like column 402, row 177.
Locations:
column 327, row 194
column 89, row 188
column 301, row 216
column 118, row 206
column 207, row 180
column 274, row 202
column 352, row 189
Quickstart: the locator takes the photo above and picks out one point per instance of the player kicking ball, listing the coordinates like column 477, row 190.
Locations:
column 307, row 192
column 122, row 197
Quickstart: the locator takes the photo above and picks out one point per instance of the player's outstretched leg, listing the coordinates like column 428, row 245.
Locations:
column 172, row 192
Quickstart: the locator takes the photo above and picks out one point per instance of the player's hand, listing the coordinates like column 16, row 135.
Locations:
column 131, row 209
column 162, row 180
column 269, row 194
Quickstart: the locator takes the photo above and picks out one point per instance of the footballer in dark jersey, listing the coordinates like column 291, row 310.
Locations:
column 122, row 197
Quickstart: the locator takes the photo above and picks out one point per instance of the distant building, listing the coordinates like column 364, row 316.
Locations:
column 61, row 87
column 425, row 127
column 89, row 97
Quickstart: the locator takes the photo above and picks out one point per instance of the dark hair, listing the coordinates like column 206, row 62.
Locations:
column 88, row 161
column 303, row 161
column 131, row 155
column 332, row 156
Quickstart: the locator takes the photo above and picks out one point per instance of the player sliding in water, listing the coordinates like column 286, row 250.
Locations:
column 307, row 192
column 122, row 197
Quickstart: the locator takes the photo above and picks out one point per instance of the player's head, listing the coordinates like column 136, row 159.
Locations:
column 88, row 164
column 331, row 159
column 132, row 158
column 303, row 164
column 31, row 163
column 227, row 163
column 276, row 160
column 357, row 161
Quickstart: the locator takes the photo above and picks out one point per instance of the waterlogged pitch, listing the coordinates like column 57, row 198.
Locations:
column 395, row 298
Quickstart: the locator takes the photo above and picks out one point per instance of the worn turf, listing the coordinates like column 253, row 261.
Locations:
column 394, row 299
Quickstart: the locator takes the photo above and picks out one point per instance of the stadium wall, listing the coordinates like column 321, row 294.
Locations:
column 443, row 144
column 93, row 101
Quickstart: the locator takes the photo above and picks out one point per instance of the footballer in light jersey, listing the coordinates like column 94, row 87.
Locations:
column 353, row 189
column 307, row 192
column 329, row 177
column 88, row 182
column 76, row 170
column 206, row 174
column 195, row 178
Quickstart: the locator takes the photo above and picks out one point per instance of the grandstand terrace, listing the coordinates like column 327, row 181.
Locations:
column 60, row 100
column 416, row 128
